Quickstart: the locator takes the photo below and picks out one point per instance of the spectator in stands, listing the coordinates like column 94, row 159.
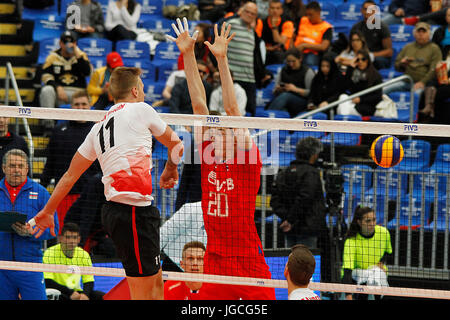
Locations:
column 441, row 35
column 359, row 78
column 297, row 196
column 378, row 38
column 298, row 271
column 9, row 140
column 367, row 246
column 434, row 17
column 175, row 77
column 179, row 101
column 292, row 85
column 245, row 66
column 63, row 72
column 276, row 31
column 23, row 195
column 67, row 252
column 216, row 100
column 327, row 84
column 64, row 142
column 399, row 9
column 192, row 262
column 201, row 50
column 185, row 225
column 314, row 35
column 213, row 10
column 417, row 59
column 89, row 23
column 99, row 82
column 294, row 10
column 121, row 21
column 348, row 57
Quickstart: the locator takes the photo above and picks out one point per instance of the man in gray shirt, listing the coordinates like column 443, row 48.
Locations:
column 86, row 20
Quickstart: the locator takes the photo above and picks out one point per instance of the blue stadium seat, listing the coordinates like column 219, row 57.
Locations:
column 348, row 12
column 151, row 7
column 341, row 138
column 153, row 90
column 328, row 12
column 271, row 113
column 441, row 161
column 359, row 181
column 416, row 155
column 439, row 217
column 387, row 183
column 97, row 62
column 148, row 72
column 411, row 209
column 275, row 68
column 388, row 74
column 94, row 47
column 157, row 24
column 129, row 49
column 402, row 100
column 166, row 51
column 264, row 95
column 165, row 68
column 45, row 47
column 340, row 27
column 34, row 14
column 401, row 33
column 51, row 26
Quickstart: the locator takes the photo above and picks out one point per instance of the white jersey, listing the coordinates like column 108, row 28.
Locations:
column 303, row 294
column 122, row 143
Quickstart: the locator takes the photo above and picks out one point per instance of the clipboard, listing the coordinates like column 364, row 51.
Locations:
column 8, row 218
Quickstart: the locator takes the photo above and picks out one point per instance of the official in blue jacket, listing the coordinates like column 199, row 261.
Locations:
column 19, row 193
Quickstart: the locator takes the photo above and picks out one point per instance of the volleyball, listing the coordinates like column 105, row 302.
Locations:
column 386, row 151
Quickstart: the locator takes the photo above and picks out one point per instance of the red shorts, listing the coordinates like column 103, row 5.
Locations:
column 255, row 267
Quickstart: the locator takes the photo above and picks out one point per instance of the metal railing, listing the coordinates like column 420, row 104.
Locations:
column 10, row 77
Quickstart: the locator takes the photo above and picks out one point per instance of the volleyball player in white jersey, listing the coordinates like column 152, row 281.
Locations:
column 122, row 143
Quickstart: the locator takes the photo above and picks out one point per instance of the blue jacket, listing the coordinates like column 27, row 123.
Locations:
column 411, row 7
column 30, row 200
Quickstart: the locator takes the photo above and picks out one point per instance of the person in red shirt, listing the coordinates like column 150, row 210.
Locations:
column 192, row 262
column 230, row 177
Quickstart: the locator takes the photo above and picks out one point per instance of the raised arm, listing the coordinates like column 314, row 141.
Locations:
column 186, row 44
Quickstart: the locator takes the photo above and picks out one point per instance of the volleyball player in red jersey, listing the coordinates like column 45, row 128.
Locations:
column 230, row 177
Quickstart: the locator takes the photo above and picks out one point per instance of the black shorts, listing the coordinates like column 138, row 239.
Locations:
column 135, row 233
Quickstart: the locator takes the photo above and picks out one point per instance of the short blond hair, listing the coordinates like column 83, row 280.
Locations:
column 122, row 80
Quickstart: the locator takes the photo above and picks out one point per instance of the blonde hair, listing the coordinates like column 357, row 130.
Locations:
column 122, row 80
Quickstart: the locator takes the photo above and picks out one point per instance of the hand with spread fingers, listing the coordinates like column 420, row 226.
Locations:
column 184, row 41
column 220, row 46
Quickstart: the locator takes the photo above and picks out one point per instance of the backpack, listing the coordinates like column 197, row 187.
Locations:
column 190, row 11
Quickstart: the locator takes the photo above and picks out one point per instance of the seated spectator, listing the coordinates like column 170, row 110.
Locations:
column 10, row 140
column 174, row 78
column 294, row 10
column 348, row 57
column 122, row 17
column 314, row 35
column 366, row 248
column 441, row 35
column 192, row 262
column 63, row 72
column 327, row 84
column 276, row 31
column 99, row 82
column 216, row 100
column 417, row 59
column 435, row 16
column 292, row 84
column 298, row 271
column 213, row 10
column 200, row 49
column 362, row 77
column 67, row 252
column 378, row 39
column 399, row 9
column 180, row 101
column 91, row 22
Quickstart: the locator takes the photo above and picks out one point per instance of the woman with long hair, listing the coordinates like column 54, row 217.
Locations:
column 122, row 17
column 348, row 57
column 366, row 249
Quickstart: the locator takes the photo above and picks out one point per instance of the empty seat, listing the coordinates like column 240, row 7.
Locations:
column 401, row 33
column 348, row 12
column 148, row 71
column 129, row 49
column 50, row 26
column 45, row 47
column 94, row 47
column 153, row 91
column 343, row 138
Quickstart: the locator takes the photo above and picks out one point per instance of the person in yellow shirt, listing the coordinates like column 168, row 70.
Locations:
column 67, row 252
column 99, row 82
column 314, row 35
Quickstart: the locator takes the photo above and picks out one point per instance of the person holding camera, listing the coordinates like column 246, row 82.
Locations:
column 292, row 85
column 298, row 197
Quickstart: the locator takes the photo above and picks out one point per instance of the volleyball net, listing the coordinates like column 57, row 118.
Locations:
column 410, row 202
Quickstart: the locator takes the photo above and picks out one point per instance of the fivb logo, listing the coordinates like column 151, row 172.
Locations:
column 374, row 17
column 73, row 14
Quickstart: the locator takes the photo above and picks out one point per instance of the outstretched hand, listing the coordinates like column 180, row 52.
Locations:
column 220, row 46
column 184, row 41
column 40, row 223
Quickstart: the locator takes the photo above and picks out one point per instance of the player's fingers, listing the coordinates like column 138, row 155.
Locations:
column 180, row 25
column 216, row 34
column 186, row 25
column 175, row 29
column 222, row 30
column 195, row 35
column 208, row 44
column 170, row 38
column 227, row 31
column 232, row 36
column 39, row 232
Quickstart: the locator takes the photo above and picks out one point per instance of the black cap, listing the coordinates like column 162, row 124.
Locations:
column 68, row 36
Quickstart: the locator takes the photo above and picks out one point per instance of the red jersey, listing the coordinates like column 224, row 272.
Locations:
column 177, row 290
column 229, row 192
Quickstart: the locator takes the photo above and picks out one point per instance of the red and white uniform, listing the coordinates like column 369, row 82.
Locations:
column 122, row 143
column 303, row 294
column 178, row 290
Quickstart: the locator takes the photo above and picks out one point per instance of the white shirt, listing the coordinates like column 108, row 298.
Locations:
column 216, row 99
column 122, row 143
column 303, row 294
column 116, row 16
column 184, row 226
column 174, row 76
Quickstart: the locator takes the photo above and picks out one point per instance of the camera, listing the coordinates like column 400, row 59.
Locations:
column 333, row 183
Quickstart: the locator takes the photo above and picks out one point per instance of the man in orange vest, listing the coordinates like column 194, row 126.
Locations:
column 314, row 35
